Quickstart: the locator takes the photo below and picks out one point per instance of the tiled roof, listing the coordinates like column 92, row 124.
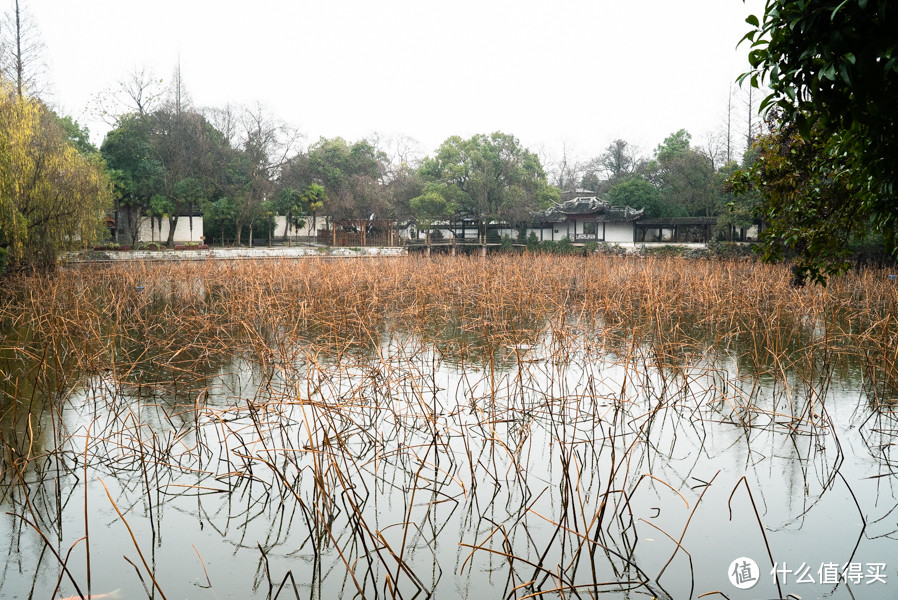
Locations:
column 586, row 206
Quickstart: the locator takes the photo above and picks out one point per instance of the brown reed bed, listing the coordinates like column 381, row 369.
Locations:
column 535, row 404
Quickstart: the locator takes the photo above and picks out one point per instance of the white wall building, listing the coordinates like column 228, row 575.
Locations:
column 152, row 230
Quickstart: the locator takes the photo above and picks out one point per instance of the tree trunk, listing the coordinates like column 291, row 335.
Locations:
column 18, row 57
column 172, row 224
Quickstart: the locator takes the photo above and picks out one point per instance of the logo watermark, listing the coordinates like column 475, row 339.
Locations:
column 830, row 572
column 744, row 573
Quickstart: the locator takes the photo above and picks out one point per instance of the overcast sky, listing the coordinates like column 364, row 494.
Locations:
column 574, row 73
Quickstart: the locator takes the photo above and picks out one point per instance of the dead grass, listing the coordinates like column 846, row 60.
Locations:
column 346, row 406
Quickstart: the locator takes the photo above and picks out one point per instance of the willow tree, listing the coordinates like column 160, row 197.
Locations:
column 52, row 197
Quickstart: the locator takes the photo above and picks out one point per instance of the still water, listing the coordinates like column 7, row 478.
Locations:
column 564, row 467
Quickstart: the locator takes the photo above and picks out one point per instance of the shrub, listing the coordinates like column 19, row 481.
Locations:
column 610, row 249
column 565, row 246
column 507, row 244
column 532, row 242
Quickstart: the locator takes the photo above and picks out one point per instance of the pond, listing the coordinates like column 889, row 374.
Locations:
column 481, row 453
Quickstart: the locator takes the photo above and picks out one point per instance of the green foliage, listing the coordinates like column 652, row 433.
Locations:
column 685, row 178
column 673, row 146
column 640, row 194
column 77, row 135
column 804, row 191
column 564, row 246
column 491, row 178
column 290, row 203
column 739, row 211
column 169, row 163
column 432, row 205
column 729, row 250
column 349, row 177
column 507, row 243
column 314, row 197
column 4, row 259
column 832, row 67
column 532, row 242
column 665, row 250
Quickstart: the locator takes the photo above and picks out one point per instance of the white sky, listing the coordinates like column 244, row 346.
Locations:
column 574, row 73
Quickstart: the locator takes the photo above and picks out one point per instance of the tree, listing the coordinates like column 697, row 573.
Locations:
column 738, row 211
column 21, row 54
column 351, row 175
column 76, row 134
column 618, row 160
column 313, row 198
column 640, row 194
column 289, row 204
column 219, row 213
column 673, row 145
column 684, row 176
column 490, row 178
column 793, row 169
column 568, row 172
column 166, row 164
column 432, row 206
column 137, row 173
column 835, row 87
column 52, row 197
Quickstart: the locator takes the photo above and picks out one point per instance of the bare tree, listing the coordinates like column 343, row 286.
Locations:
column 266, row 144
column 567, row 172
column 751, row 99
column 178, row 98
column 398, row 153
column 618, row 160
column 225, row 119
column 729, row 127
column 141, row 90
column 714, row 148
column 21, row 52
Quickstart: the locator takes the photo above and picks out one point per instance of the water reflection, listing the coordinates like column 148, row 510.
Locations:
column 567, row 462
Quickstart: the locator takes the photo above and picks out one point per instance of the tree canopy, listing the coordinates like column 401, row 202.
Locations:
column 52, row 197
column 167, row 163
column 832, row 68
column 489, row 177
column 640, row 194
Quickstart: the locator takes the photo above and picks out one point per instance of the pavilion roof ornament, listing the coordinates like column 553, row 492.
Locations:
column 585, row 206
